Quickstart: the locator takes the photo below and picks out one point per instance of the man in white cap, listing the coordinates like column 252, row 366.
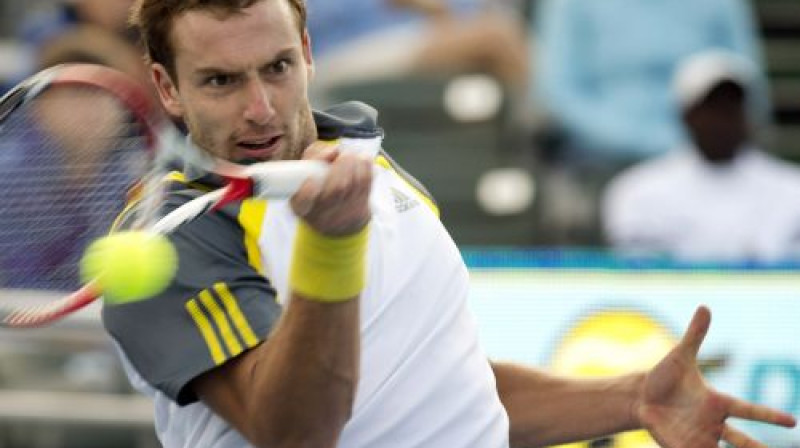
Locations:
column 720, row 198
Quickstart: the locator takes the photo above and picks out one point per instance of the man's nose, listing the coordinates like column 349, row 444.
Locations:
column 259, row 108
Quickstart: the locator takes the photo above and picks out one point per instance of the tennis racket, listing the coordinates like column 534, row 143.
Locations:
column 74, row 141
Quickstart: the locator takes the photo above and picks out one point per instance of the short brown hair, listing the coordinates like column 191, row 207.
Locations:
column 153, row 19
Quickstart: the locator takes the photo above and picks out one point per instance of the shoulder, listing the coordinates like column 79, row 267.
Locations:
column 723, row 9
column 218, row 305
column 774, row 168
column 650, row 177
column 728, row 4
column 352, row 119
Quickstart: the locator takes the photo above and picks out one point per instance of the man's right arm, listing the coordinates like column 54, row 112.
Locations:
column 297, row 387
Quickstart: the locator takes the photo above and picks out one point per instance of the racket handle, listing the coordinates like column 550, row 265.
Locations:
column 281, row 179
column 273, row 180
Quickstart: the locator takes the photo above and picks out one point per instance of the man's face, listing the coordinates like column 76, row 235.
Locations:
column 718, row 124
column 241, row 85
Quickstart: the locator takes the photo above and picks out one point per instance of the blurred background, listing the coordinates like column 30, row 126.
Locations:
column 599, row 166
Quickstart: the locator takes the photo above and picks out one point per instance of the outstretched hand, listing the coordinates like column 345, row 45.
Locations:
column 680, row 409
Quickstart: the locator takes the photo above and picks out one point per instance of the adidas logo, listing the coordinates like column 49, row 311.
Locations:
column 402, row 202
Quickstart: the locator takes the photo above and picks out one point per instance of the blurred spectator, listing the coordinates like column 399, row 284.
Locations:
column 605, row 68
column 601, row 94
column 357, row 40
column 96, row 45
column 720, row 198
column 46, row 25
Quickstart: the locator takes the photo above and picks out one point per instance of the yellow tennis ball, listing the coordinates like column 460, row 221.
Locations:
column 130, row 266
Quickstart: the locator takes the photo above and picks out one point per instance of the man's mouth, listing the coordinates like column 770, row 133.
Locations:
column 260, row 148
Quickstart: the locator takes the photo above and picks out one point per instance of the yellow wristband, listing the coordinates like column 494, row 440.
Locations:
column 328, row 269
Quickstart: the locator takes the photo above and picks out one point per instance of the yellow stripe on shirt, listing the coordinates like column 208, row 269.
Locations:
column 207, row 331
column 236, row 315
column 251, row 218
column 177, row 176
column 221, row 320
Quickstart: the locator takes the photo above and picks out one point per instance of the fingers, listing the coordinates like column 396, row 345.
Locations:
column 750, row 411
column 339, row 205
column 322, row 150
column 349, row 179
column 738, row 439
column 306, row 196
column 696, row 333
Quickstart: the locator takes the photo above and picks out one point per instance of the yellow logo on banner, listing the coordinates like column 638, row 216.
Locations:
column 610, row 342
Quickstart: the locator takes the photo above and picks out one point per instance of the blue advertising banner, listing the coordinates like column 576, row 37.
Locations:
column 584, row 317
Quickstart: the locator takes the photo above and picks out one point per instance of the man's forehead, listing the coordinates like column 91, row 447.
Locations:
column 277, row 13
column 267, row 28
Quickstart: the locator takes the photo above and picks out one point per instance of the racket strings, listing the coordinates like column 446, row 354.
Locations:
column 67, row 160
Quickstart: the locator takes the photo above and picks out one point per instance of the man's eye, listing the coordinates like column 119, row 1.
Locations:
column 219, row 80
column 281, row 66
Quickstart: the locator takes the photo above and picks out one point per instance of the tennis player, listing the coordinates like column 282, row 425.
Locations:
column 339, row 318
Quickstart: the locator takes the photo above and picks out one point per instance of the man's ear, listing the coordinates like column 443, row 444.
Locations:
column 307, row 54
column 167, row 90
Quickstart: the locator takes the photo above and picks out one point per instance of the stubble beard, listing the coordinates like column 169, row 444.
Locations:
column 305, row 136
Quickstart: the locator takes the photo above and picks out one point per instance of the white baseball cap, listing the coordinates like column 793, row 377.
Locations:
column 698, row 74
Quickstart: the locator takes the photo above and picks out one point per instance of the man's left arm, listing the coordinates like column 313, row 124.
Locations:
column 545, row 410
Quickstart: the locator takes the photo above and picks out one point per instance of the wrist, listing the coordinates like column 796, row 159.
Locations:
column 328, row 268
column 635, row 400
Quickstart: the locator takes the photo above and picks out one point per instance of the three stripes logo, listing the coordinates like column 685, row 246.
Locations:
column 402, row 202
column 221, row 323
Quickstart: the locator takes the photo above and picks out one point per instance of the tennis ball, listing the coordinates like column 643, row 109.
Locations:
column 130, row 266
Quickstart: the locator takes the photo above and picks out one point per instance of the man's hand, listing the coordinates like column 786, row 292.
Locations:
column 339, row 205
column 679, row 408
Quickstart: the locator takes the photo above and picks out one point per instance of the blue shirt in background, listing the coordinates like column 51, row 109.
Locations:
column 48, row 24
column 333, row 24
column 605, row 67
